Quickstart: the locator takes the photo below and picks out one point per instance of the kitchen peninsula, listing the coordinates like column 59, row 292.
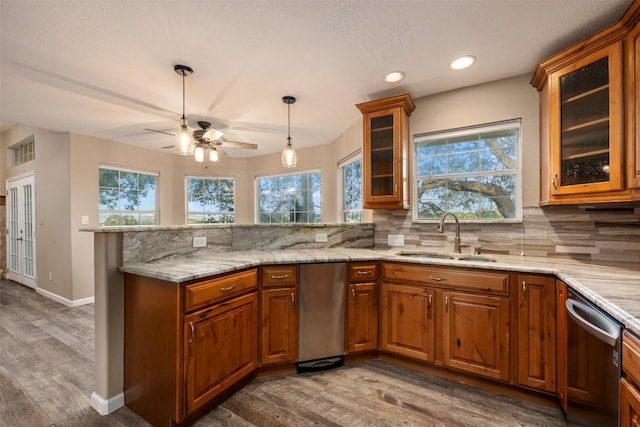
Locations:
column 614, row 288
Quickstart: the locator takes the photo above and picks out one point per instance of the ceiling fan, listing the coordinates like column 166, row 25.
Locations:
column 203, row 140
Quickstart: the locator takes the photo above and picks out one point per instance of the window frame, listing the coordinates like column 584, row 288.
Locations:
column 186, row 199
column 156, row 211
column 257, row 194
column 20, row 157
column 470, row 130
column 342, row 164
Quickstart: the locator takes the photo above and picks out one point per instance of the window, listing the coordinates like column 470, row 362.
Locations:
column 24, row 152
column 351, row 178
column 127, row 197
column 473, row 172
column 210, row 200
column 289, row 198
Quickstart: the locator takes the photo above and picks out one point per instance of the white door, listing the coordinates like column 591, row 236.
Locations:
column 21, row 236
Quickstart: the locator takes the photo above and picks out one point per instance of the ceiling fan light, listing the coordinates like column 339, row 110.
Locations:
column 289, row 157
column 199, row 154
column 213, row 155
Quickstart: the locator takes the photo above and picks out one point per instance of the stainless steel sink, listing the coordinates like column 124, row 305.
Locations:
column 476, row 258
column 440, row 255
column 421, row 254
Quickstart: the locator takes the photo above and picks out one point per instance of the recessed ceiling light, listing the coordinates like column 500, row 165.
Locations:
column 463, row 62
column 394, row 76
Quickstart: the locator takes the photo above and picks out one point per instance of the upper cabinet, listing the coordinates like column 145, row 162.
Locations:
column 386, row 152
column 588, row 115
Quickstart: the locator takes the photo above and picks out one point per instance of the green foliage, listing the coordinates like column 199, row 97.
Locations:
column 126, row 191
column 289, row 198
column 211, row 200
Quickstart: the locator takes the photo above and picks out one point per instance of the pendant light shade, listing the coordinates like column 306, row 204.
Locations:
column 184, row 144
column 289, row 157
column 199, row 154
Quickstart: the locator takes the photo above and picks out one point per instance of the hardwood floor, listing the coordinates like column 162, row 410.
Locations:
column 46, row 378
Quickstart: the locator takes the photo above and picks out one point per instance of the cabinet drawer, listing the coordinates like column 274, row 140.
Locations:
column 631, row 357
column 214, row 290
column 362, row 272
column 279, row 275
column 450, row 278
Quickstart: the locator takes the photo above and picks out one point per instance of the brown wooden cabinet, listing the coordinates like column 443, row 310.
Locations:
column 633, row 103
column 630, row 383
column 587, row 100
column 407, row 320
column 185, row 343
column 386, row 152
column 279, row 314
column 561, row 344
column 362, row 308
column 476, row 334
column 220, row 345
column 536, row 298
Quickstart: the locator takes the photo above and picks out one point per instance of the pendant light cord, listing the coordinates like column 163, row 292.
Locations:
column 183, row 98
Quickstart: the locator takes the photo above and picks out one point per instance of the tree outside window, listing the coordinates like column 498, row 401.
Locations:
column 352, row 191
column 210, row 200
column 473, row 172
column 289, row 198
column 126, row 197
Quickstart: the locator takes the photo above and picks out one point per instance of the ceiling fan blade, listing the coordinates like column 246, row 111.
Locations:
column 235, row 144
column 212, row 134
column 166, row 147
column 221, row 151
column 161, row 131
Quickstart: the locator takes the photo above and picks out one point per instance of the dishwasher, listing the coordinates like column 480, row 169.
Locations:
column 321, row 328
column 593, row 364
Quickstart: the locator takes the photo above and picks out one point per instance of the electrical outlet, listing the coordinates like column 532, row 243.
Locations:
column 50, row 276
column 84, row 219
column 321, row 237
column 395, row 239
column 200, row 242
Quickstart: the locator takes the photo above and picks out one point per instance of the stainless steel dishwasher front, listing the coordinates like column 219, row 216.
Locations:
column 321, row 329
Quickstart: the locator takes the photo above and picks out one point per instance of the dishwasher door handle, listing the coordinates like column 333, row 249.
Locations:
column 603, row 328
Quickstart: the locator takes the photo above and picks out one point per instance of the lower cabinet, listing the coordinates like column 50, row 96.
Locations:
column 536, row 299
column 279, row 325
column 362, row 317
column 630, row 383
column 476, row 334
column 407, row 324
column 561, row 344
column 220, row 347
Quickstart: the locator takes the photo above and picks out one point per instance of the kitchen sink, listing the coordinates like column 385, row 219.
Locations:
column 426, row 254
column 440, row 255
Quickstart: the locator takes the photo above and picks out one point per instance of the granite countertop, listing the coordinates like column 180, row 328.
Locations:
column 613, row 287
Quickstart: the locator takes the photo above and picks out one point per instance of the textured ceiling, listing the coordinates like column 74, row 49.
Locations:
column 105, row 68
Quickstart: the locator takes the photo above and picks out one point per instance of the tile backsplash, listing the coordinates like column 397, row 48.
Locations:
column 596, row 233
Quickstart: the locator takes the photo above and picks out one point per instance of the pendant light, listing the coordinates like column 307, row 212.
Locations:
column 289, row 158
column 184, row 142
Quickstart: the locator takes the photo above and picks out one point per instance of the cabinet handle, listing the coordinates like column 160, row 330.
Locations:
column 438, row 279
column 228, row 288
column 364, row 272
column 293, row 300
column 429, row 302
column 554, row 181
column 524, row 290
column 395, row 188
column 281, row 276
column 353, row 295
column 446, row 304
column 192, row 332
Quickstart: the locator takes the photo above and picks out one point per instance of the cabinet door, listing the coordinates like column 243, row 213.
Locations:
column 279, row 325
column 634, row 104
column 476, row 334
column 407, row 322
column 561, row 343
column 386, row 152
column 629, row 405
column 220, row 348
column 536, row 332
column 362, row 317
column 585, row 123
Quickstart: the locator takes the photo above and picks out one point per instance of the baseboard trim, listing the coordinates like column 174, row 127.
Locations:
column 105, row 407
column 65, row 301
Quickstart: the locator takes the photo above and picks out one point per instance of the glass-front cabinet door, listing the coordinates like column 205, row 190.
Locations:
column 586, row 138
column 385, row 152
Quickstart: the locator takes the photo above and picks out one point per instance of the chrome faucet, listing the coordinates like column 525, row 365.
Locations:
column 456, row 242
